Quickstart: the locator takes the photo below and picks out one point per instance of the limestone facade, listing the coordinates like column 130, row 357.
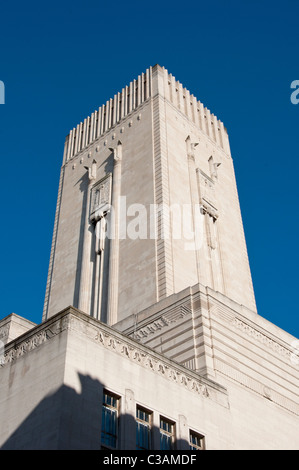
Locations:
column 149, row 296
column 175, row 155
column 53, row 378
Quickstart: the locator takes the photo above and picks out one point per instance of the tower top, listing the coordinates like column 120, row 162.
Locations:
column 155, row 80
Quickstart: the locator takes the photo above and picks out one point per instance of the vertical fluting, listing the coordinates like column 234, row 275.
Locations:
column 133, row 96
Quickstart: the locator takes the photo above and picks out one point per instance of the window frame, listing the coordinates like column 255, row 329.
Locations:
column 116, row 397
column 164, row 432
column 201, row 439
column 148, row 424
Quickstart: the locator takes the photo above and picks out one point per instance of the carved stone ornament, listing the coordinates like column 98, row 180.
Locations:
column 207, row 193
column 155, row 364
column 111, row 340
column 100, row 198
column 172, row 316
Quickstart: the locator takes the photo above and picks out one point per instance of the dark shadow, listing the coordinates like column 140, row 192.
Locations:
column 84, row 186
column 63, row 420
column 67, row 420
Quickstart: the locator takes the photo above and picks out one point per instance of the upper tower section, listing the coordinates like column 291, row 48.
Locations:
column 133, row 96
column 147, row 205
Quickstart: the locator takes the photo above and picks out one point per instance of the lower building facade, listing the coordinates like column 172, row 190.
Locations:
column 73, row 382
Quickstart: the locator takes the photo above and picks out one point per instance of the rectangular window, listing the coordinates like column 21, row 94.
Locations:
column 110, row 412
column 197, row 441
column 167, row 434
column 143, row 428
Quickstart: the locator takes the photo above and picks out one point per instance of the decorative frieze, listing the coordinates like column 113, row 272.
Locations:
column 249, row 330
column 33, row 340
column 261, row 337
column 149, row 329
column 166, row 318
column 115, row 342
column 4, row 331
column 158, row 365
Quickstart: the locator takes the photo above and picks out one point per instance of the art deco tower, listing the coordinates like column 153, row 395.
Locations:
column 147, row 205
column 150, row 326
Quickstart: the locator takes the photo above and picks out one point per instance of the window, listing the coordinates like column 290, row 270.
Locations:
column 143, row 429
column 110, row 412
column 196, row 441
column 167, row 434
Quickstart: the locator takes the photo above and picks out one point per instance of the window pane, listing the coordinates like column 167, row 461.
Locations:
column 142, row 436
column 196, row 441
column 165, row 442
column 143, row 430
column 166, row 434
column 109, row 420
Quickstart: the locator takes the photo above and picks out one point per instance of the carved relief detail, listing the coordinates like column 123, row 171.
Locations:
column 4, row 331
column 100, row 197
column 34, row 341
column 149, row 329
column 116, row 343
column 249, row 330
column 207, row 194
column 261, row 337
column 151, row 362
column 172, row 316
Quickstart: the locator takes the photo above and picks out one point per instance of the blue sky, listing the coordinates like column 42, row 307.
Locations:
column 60, row 61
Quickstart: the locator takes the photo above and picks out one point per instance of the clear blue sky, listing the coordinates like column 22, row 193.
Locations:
column 61, row 60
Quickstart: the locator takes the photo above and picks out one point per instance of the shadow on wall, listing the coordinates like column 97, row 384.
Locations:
column 84, row 187
column 67, row 420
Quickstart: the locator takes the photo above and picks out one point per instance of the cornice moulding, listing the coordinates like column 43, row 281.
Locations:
column 109, row 338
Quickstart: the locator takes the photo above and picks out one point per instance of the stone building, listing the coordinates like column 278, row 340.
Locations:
column 150, row 336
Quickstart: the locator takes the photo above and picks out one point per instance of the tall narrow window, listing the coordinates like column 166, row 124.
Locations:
column 196, row 441
column 143, row 429
column 167, row 434
column 110, row 412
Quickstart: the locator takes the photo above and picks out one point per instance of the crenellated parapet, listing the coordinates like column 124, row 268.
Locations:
column 146, row 86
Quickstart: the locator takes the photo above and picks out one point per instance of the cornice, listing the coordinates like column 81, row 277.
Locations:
column 104, row 336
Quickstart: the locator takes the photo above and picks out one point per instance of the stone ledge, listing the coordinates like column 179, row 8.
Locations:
column 14, row 326
column 71, row 319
